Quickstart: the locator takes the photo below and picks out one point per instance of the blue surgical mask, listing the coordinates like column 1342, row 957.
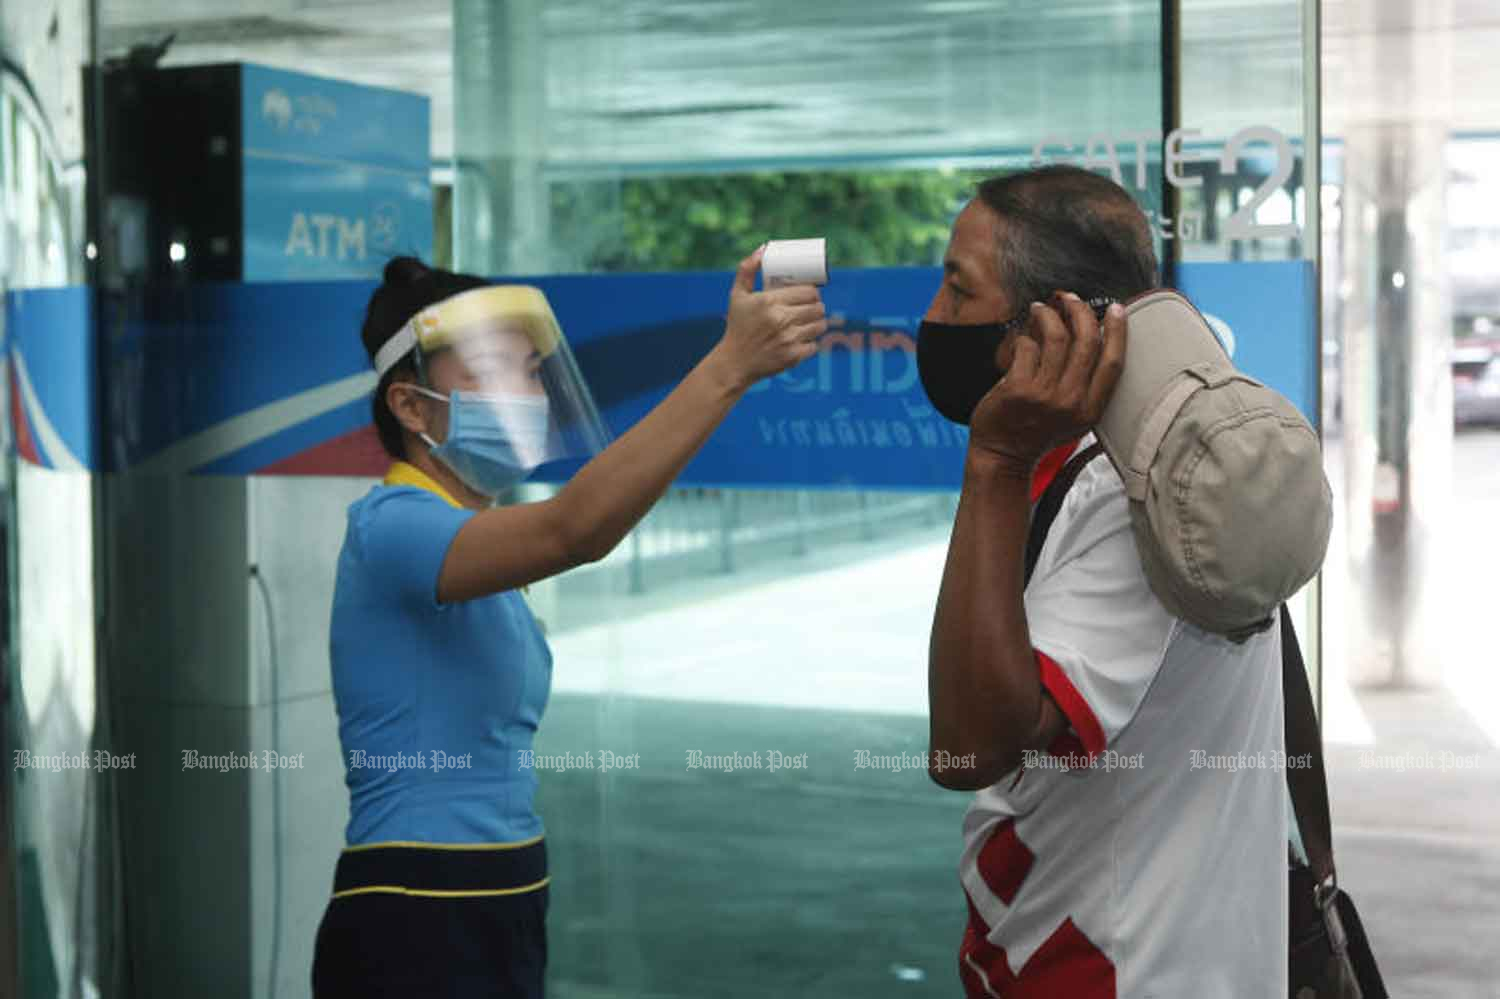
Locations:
column 494, row 441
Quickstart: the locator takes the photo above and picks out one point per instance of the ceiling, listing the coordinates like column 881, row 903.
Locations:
column 679, row 84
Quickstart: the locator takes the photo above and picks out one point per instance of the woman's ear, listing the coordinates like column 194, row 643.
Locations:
column 406, row 404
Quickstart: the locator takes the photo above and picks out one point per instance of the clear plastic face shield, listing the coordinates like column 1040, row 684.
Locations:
column 514, row 394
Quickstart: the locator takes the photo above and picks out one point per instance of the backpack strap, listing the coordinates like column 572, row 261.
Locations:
column 1308, row 785
column 1051, row 501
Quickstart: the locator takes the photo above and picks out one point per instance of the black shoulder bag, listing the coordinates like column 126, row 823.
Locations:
column 1329, row 955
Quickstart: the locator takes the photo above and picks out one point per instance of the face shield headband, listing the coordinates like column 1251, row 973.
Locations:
column 441, row 324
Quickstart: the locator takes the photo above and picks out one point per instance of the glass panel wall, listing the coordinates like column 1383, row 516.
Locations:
column 50, row 819
column 738, row 805
column 792, row 624
column 593, row 139
column 748, row 653
column 249, row 207
column 1250, row 141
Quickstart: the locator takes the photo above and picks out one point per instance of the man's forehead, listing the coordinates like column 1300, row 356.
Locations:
column 971, row 246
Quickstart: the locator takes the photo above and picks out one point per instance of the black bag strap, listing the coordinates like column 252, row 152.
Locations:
column 1307, row 784
column 1050, row 502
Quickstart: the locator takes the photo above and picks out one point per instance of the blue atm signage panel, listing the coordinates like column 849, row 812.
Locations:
column 336, row 176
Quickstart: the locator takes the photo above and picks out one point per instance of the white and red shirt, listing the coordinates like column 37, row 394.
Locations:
column 1155, row 868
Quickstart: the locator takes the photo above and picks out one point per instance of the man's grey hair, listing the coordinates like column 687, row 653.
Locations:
column 1064, row 228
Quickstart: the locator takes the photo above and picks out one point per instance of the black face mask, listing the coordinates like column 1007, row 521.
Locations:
column 957, row 364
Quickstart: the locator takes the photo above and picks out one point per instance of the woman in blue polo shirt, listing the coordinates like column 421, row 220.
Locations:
column 440, row 673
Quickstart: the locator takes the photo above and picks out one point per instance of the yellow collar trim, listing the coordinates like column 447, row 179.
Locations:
column 406, row 474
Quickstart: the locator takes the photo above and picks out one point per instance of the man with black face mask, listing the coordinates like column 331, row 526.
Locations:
column 1127, row 833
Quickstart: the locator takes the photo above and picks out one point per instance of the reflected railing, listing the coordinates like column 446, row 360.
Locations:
column 698, row 533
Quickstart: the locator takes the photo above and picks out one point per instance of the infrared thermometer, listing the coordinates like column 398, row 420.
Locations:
column 794, row 261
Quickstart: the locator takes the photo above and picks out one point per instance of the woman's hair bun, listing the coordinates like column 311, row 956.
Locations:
column 405, row 271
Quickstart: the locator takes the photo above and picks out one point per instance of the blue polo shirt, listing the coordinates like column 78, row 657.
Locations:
column 436, row 702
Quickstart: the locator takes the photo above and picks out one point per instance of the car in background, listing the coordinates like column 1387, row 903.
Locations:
column 1476, row 381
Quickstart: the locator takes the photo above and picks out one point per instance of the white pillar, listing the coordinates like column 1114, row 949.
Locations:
column 500, row 197
column 1397, row 390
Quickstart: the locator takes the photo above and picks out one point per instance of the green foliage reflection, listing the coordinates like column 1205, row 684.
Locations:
column 672, row 223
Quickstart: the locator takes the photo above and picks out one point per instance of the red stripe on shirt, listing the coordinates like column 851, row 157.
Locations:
column 1066, row 965
column 1004, row 861
column 978, row 959
column 1077, row 710
column 1046, row 470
